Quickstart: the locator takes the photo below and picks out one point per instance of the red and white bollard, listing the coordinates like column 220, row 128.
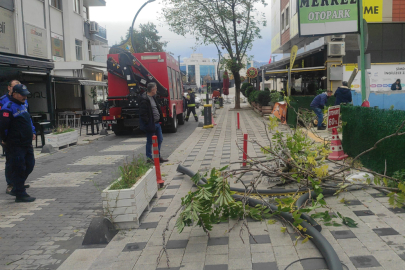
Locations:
column 238, row 121
column 156, row 158
column 245, row 141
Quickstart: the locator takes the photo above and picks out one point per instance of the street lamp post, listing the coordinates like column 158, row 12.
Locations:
column 133, row 22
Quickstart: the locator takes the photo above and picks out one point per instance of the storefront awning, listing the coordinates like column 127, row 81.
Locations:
column 16, row 60
column 286, row 61
column 296, row 70
column 92, row 83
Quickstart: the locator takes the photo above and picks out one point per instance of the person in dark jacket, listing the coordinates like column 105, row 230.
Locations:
column 343, row 94
column 318, row 104
column 17, row 133
column 150, row 119
column 191, row 105
column 396, row 85
column 3, row 100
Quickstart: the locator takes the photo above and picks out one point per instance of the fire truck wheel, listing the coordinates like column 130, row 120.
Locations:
column 180, row 118
column 173, row 123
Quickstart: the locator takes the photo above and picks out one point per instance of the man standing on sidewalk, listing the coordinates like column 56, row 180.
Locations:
column 191, row 105
column 3, row 100
column 17, row 134
column 150, row 119
column 318, row 104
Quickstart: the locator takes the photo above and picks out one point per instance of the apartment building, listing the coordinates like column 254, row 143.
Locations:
column 51, row 45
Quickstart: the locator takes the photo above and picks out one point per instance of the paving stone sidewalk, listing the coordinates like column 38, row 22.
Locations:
column 377, row 243
column 67, row 184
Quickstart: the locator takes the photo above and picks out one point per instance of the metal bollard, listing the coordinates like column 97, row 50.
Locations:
column 207, row 101
column 221, row 102
column 208, row 116
column 245, row 141
column 238, row 121
column 156, row 157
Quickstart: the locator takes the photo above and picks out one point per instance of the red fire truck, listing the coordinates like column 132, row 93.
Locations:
column 128, row 76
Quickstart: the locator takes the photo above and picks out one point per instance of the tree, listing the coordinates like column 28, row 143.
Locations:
column 147, row 39
column 232, row 25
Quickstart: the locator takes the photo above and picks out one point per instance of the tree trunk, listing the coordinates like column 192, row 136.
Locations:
column 236, row 76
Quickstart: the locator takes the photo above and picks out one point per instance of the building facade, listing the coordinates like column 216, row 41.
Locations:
column 316, row 60
column 199, row 70
column 60, row 32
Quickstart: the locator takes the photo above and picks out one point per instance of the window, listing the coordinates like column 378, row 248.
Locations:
column 76, row 6
column 174, row 85
column 179, row 95
column 79, row 49
column 282, row 21
column 89, row 49
column 56, row 4
column 169, row 74
column 285, row 19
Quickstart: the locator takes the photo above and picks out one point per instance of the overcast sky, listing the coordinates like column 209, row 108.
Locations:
column 117, row 17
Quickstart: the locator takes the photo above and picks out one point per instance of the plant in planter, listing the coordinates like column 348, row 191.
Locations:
column 126, row 198
column 62, row 136
column 274, row 97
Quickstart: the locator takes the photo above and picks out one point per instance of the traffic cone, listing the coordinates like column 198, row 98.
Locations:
column 336, row 147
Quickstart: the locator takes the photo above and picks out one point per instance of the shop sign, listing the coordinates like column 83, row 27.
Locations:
column 328, row 17
column 333, row 116
column 373, row 10
column 57, row 47
column 7, row 33
column 36, row 41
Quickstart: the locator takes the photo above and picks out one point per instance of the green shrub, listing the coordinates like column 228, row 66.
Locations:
column 252, row 96
column 244, row 87
column 249, row 90
column 275, row 97
column 320, row 91
column 263, row 98
column 131, row 172
column 267, row 89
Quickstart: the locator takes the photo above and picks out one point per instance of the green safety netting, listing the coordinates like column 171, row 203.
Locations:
column 363, row 127
column 302, row 102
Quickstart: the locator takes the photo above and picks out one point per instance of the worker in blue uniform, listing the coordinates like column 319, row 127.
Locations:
column 3, row 100
column 17, row 133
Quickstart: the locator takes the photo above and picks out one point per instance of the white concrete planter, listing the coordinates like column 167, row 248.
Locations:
column 64, row 139
column 124, row 207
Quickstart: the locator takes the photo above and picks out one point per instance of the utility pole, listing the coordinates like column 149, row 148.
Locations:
column 362, row 52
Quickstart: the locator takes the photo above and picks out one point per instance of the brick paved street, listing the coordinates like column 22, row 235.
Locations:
column 41, row 235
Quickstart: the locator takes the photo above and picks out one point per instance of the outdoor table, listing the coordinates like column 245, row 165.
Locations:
column 93, row 118
column 42, row 124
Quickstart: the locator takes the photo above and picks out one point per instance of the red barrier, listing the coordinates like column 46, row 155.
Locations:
column 238, row 122
column 156, row 158
column 245, row 141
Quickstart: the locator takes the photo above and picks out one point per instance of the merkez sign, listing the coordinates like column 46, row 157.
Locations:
column 328, row 17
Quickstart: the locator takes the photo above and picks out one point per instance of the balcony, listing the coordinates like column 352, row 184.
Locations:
column 94, row 3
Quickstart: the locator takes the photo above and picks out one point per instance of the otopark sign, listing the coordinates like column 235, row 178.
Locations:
column 327, row 17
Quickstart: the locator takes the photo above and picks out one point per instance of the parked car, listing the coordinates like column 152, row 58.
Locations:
column 197, row 100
